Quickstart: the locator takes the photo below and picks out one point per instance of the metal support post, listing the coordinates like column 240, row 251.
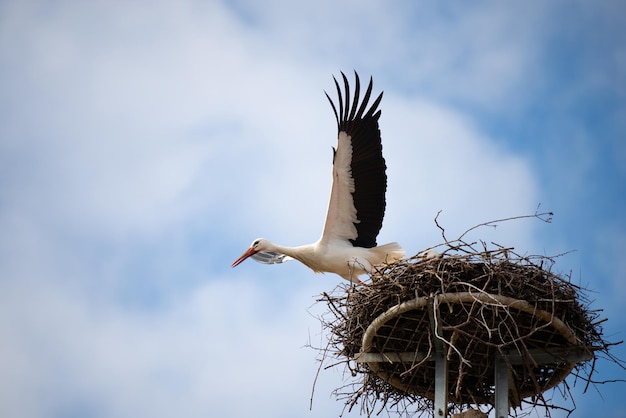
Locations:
column 441, row 363
column 501, row 383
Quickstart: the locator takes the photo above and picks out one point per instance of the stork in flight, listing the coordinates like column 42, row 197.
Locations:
column 347, row 246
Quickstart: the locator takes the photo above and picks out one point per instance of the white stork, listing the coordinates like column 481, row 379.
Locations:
column 347, row 246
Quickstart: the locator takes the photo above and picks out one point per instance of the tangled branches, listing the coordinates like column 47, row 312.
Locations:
column 473, row 305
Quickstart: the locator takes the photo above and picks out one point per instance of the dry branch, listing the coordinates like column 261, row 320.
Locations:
column 486, row 302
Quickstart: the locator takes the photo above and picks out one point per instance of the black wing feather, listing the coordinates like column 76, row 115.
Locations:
column 368, row 165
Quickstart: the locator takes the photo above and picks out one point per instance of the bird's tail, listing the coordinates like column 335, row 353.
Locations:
column 391, row 252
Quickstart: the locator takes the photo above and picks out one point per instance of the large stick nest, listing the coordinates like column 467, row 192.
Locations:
column 472, row 305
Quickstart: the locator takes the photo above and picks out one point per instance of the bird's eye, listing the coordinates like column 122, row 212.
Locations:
column 255, row 243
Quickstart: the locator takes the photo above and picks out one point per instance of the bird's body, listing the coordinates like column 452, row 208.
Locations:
column 347, row 246
column 337, row 256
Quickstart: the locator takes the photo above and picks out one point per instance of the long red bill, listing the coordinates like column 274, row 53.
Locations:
column 250, row 251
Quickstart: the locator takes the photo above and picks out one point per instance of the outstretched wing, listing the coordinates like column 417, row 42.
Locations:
column 357, row 200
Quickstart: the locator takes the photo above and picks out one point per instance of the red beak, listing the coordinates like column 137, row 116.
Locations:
column 250, row 251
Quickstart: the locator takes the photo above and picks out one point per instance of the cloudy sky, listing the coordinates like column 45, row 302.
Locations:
column 144, row 145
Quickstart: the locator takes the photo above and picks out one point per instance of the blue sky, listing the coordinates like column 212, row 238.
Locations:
column 144, row 145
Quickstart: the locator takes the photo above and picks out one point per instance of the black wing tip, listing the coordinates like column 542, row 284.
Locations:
column 359, row 119
column 334, row 108
column 346, row 111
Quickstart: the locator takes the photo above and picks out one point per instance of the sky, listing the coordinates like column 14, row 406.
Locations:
column 144, row 145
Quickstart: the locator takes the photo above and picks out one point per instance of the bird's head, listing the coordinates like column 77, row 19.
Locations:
column 258, row 245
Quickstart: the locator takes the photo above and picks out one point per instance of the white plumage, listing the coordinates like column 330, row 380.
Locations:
column 356, row 208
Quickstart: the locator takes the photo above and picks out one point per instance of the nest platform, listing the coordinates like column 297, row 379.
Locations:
column 486, row 315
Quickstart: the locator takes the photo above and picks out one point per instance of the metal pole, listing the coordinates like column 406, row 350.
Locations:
column 441, row 383
column 441, row 364
column 501, row 383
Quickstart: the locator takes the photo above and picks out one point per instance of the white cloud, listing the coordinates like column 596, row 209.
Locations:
column 127, row 115
column 218, row 350
column 438, row 160
column 133, row 129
